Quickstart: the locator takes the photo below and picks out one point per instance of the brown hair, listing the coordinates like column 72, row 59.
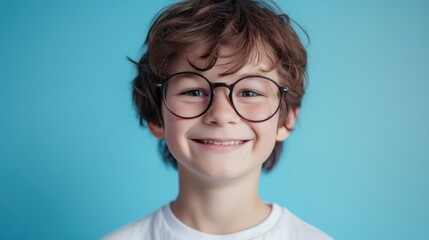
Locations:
column 249, row 26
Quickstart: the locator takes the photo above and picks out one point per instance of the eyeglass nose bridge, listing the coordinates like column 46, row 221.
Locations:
column 221, row 84
column 215, row 85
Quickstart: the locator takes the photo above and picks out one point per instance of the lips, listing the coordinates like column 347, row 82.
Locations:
column 220, row 142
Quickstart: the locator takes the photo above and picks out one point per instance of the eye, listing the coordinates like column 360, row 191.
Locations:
column 194, row 93
column 248, row 93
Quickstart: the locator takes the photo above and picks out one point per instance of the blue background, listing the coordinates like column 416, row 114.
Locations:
column 76, row 165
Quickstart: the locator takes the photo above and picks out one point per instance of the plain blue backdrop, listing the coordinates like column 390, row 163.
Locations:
column 76, row 165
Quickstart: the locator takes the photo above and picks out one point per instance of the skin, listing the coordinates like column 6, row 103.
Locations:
column 219, row 183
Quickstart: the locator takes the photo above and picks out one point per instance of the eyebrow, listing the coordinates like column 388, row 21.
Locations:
column 257, row 71
column 244, row 75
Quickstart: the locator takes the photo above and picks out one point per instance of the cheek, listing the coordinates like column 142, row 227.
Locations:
column 269, row 128
column 266, row 133
column 172, row 131
column 175, row 135
column 171, row 128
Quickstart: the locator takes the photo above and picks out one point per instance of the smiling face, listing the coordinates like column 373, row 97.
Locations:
column 220, row 145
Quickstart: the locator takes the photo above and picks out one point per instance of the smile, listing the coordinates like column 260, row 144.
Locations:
column 221, row 143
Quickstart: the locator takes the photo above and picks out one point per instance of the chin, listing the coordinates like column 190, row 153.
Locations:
column 219, row 174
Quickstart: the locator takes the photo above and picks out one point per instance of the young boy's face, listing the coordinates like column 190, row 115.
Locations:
column 220, row 145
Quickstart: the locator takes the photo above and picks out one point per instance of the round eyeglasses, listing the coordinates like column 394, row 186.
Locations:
column 189, row 95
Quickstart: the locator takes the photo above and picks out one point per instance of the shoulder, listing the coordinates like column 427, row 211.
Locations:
column 145, row 228
column 296, row 228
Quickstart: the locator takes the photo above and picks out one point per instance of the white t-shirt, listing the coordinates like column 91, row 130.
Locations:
column 163, row 225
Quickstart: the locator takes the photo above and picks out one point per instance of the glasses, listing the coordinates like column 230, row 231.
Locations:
column 189, row 95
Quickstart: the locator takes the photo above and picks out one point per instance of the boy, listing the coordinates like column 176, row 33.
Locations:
column 220, row 84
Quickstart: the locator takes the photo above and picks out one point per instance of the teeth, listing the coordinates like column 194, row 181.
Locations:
column 223, row 143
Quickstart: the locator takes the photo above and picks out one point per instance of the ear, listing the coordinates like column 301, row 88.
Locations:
column 284, row 130
column 156, row 129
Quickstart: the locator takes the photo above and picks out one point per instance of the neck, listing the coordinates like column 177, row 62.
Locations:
column 220, row 207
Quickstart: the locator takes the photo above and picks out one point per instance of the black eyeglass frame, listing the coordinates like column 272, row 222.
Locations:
column 163, row 84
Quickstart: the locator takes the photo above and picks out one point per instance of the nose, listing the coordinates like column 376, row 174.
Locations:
column 221, row 111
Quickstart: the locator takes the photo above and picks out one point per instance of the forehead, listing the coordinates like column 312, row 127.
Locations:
column 229, row 62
